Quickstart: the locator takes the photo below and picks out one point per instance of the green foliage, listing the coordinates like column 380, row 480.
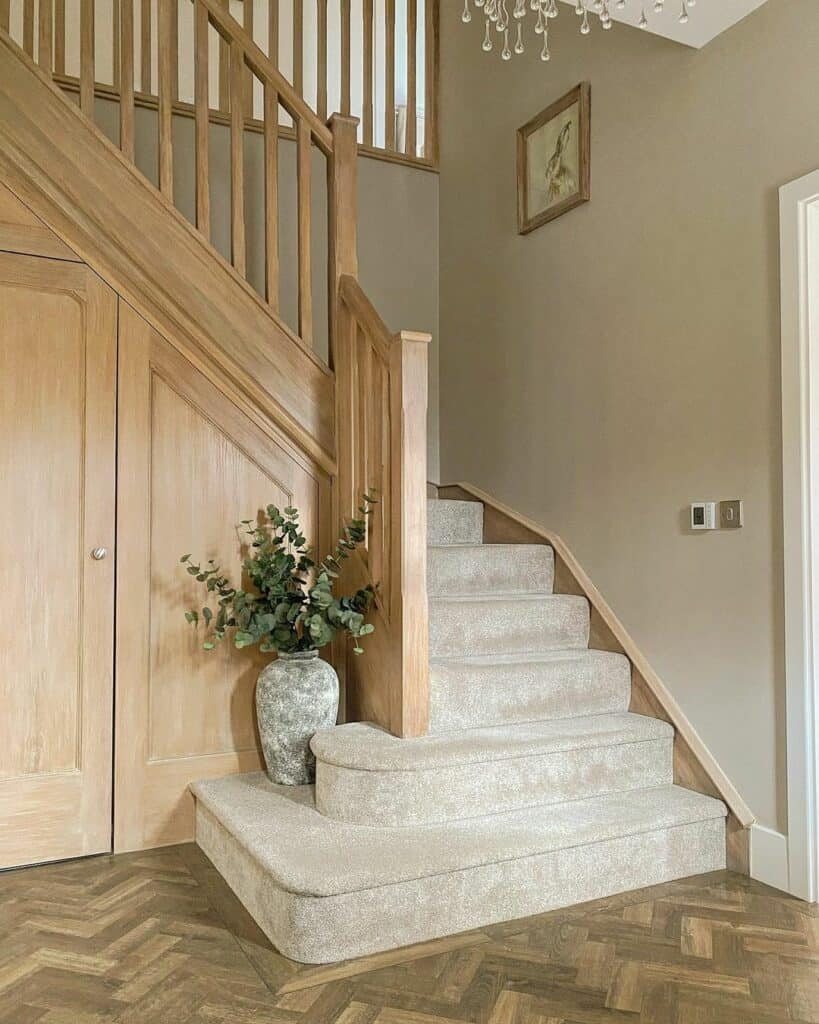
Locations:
column 292, row 606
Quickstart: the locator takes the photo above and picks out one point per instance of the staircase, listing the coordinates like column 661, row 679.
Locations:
column 535, row 788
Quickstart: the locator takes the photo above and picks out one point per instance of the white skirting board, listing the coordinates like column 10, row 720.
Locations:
column 769, row 857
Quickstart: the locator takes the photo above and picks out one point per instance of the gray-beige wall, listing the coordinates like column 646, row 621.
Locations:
column 623, row 361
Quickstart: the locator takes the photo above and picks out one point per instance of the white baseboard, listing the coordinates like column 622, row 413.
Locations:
column 769, row 857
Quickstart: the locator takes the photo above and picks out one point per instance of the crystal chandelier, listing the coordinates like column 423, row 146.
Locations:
column 496, row 13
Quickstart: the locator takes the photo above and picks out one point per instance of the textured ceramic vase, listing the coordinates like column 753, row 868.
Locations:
column 296, row 695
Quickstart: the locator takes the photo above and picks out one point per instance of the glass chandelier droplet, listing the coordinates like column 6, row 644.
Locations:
column 506, row 53
column 466, row 17
column 643, row 22
column 585, row 27
column 544, row 53
column 519, row 47
column 684, row 14
column 487, row 39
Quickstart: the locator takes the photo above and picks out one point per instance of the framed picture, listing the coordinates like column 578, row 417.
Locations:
column 554, row 167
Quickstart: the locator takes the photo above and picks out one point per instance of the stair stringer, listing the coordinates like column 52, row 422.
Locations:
column 695, row 768
column 76, row 181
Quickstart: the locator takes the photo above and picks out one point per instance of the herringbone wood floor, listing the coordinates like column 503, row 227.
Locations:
column 157, row 938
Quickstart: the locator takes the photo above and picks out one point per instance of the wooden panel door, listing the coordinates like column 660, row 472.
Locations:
column 192, row 465
column 58, row 337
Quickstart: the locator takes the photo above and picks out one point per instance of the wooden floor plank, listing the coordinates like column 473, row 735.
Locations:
column 158, row 936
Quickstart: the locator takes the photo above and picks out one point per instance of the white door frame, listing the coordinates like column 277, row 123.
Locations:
column 799, row 239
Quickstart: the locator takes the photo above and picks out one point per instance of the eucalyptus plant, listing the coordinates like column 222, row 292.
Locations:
column 291, row 607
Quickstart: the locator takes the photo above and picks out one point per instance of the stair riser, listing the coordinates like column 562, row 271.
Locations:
column 464, row 628
column 475, row 697
column 315, row 930
column 454, row 522
column 489, row 569
column 405, row 798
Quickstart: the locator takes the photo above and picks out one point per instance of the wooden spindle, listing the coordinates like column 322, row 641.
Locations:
column 224, row 67
column 411, row 146
column 28, row 27
column 173, row 46
column 271, row 195
column 389, row 74
column 126, row 78
column 237, row 159
column 321, row 63
column 298, row 46
column 45, row 35
column 59, row 37
column 146, row 85
column 165, row 37
column 433, row 62
column 304, row 163
column 342, row 201
column 345, row 56
column 247, row 23
column 87, row 70
column 273, row 31
column 367, row 116
column 202, row 114
column 116, row 41
column 5, row 15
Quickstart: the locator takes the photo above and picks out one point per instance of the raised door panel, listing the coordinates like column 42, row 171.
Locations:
column 57, row 464
column 192, row 465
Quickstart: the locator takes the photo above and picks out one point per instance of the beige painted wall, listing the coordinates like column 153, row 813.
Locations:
column 623, row 361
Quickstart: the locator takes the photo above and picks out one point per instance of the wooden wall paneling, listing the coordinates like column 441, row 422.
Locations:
column 694, row 766
column 21, row 231
column 191, row 466
column 57, row 452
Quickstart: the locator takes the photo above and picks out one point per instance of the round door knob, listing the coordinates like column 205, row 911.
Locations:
column 99, row 553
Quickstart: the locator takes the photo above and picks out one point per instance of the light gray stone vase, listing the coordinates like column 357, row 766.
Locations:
column 296, row 695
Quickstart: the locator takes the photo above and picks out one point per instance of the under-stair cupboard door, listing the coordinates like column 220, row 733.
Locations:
column 58, row 353
column 192, row 465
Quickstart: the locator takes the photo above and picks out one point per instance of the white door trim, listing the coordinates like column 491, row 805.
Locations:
column 799, row 240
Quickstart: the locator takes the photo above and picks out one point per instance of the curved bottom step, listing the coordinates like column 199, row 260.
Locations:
column 324, row 892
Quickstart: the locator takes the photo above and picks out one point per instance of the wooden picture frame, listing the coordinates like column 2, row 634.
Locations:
column 567, row 170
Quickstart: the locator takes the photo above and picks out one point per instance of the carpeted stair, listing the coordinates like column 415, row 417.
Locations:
column 535, row 788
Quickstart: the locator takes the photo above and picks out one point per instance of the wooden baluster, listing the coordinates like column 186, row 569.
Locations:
column 345, row 56
column 367, row 119
column 411, row 146
column 45, row 35
column 271, row 195
column 146, row 83
column 304, row 163
column 173, row 47
column 5, row 14
column 165, row 37
column 247, row 22
column 224, row 68
column 342, row 202
column 321, row 63
column 298, row 46
column 362, row 429
column 126, row 79
column 389, row 74
column 433, row 62
column 237, row 159
column 87, row 70
column 202, row 113
column 59, row 37
column 273, row 31
column 28, row 27
column 115, row 43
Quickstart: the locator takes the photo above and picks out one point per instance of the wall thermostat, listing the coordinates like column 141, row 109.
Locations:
column 703, row 515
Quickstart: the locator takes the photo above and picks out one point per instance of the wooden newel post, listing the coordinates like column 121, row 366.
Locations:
column 342, row 192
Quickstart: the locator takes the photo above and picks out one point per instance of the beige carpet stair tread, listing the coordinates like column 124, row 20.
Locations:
column 366, row 747
column 495, row 569
column 303, row 852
